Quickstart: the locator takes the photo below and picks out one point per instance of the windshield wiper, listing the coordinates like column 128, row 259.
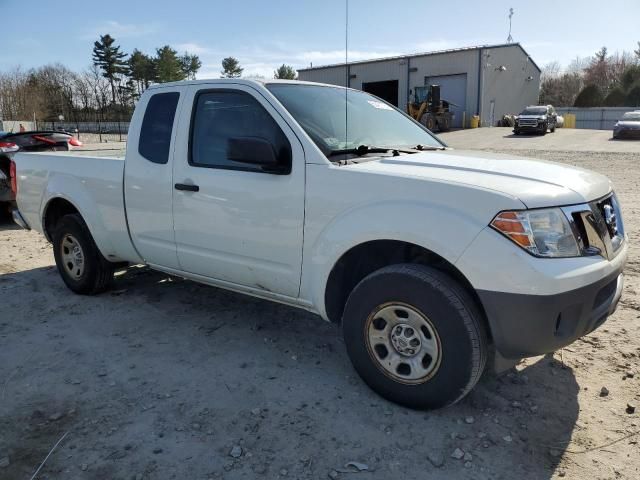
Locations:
column 361, row 150
column 427, row 147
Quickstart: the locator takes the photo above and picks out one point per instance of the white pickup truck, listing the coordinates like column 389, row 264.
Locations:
column 331, row 200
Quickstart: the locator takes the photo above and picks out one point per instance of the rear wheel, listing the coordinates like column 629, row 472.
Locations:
column 415, row 336
column 80, row 264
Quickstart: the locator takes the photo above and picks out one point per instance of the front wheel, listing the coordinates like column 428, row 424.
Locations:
column 415, row 336
column 80, row 264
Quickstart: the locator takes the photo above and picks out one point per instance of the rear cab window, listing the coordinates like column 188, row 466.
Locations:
column 157, row 127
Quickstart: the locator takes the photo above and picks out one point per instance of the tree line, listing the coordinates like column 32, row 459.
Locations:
column 107, row 90
column 603, row 80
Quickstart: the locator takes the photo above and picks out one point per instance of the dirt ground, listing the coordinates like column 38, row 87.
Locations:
column 163, row 378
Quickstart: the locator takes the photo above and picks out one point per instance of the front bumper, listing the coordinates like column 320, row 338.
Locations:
column 627, row 133
column 524, row 325
column 529, row 128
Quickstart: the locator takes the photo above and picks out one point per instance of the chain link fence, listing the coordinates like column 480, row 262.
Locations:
column 91, row 132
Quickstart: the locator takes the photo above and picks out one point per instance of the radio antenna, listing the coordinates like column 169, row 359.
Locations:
column 346, row 72
column 510, row 38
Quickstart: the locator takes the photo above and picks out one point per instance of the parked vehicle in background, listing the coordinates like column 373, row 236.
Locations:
column 628, row 126
column 536, row 119
column 429, row 258
column 42, row 140
column 6, row 192
column 34, row 141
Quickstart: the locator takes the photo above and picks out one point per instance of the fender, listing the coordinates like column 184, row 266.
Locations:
column 105, row 220
column 444, row 230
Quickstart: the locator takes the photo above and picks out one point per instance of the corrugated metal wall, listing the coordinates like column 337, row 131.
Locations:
column 331, row 75
column 452, row 63
column 510, row 90
column 395, row 69
column 596, row 118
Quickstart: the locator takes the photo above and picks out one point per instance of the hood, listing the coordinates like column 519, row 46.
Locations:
column 531, row 117
column 535, row 183
column 628, row 124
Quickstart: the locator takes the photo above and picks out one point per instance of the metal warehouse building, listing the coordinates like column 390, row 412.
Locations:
column 489, row 81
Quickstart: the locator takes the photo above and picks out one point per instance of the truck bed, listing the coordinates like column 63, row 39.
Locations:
column 95, row 184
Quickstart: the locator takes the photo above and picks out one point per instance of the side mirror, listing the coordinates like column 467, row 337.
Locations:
column 254, row 151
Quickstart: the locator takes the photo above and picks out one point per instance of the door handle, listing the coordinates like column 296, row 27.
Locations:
column 187, row 187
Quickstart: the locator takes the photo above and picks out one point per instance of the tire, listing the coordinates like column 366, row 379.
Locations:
column 88, row 272
column 544, row 129
column 553, row 129
column 428, row 121
column 451, row 328
column 516, row 132
column 443, row 124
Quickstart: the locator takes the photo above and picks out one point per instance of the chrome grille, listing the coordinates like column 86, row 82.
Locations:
column 528, row 122
column 598, row 226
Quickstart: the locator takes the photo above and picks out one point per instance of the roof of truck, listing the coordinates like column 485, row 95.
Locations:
column 236, row 81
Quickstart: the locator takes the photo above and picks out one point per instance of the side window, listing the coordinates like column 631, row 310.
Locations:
column 157, row 125
column 223, row 115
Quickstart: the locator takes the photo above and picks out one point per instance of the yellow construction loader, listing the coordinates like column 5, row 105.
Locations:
column 429, row 109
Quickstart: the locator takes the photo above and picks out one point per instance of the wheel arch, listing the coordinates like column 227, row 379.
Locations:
column 365, row 258
column 60, row 205
column 54, row 210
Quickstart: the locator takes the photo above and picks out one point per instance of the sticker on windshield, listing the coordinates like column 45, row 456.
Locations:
column 379, row 105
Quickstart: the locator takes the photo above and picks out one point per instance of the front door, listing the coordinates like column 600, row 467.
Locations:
column 237, row 222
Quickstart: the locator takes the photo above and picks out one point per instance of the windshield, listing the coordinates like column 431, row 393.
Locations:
column 633, row 116
column 534, row 111
column 320, row 111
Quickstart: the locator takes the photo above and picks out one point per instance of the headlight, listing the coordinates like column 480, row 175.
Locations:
column 543, row 233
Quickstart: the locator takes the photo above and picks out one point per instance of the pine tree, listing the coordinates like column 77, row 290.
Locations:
column 590, row 96
column 168, row 65
column 285, row 72
column 108, row 57
column 231, row 68
column 633, row 97
column 190, row 65
column 141, row 70
column 631, row 76
column 616, row 98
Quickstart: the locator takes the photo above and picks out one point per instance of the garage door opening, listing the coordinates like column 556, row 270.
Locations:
column 453, row 89
column 387, row 90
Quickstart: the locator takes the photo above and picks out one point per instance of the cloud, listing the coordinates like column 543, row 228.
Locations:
column 121, row 30
column 193, row 48
column 263, row 62
column 437, row 45
column 338, row 56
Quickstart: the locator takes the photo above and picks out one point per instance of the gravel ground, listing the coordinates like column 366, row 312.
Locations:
column 164, row 378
